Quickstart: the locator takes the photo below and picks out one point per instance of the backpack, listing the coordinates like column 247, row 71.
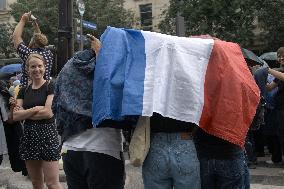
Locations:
column 258, row 119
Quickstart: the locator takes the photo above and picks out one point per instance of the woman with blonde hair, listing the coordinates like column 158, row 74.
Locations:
column 39, row 145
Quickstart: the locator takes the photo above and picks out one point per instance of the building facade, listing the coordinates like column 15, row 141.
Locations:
column 4, row 11
column 148, row 13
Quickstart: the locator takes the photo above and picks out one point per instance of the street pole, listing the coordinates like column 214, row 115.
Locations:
column 81, row 34
column 70, row 25
column 81, row 8
column 65, row 46
column 180, row 26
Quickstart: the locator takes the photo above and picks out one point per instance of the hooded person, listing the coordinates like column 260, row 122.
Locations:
column 92, row 157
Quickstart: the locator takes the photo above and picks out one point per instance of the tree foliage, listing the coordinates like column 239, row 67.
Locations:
column 108, row 13
column 6, row 46
column 45, row 11
column 101, row 12
column 271, row 20
column 228, row 20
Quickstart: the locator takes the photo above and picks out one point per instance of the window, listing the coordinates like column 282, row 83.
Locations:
column 3, row 4
column 146, row 16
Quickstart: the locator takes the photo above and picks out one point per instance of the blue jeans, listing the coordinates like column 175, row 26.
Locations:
column 224, row 174
column 171, row 163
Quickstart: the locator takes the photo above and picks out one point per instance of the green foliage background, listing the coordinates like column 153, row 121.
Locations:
column 101, row 12
column 230, row 20
column 6, row 46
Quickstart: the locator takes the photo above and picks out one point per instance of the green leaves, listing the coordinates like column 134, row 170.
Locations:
column 102, row 12
column 108, row 13
column 227, row 20
column 45, row 11
column 271, row 19
column 6, row 46
column 234, row 20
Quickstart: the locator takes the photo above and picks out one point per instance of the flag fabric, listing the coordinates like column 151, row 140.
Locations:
column 197, row 80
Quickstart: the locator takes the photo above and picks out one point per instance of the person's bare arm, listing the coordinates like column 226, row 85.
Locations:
column 36, row 27
column 45, row 112
column 20, row 114
column 277, row 74
column 17, row 35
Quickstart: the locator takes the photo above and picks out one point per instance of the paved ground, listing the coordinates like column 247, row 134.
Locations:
column 263, row 177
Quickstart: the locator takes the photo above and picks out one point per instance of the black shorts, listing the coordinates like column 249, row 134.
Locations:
column 40, row 142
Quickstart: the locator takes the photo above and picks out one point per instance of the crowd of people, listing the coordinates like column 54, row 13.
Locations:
column 181, row 155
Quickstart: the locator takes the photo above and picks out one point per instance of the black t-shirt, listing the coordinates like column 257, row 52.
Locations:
column 209, row 146
column 35, row 97
column 279, row 96
column 162, row 124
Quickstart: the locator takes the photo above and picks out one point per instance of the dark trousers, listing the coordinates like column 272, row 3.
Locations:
column 1, row 159
column 224, row 174
column 258, row 138
column 275, row 148
column 91, row 170
column 250, row 147
column 13, row 133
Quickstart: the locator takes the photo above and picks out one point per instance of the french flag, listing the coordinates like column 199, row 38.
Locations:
column 198, row 79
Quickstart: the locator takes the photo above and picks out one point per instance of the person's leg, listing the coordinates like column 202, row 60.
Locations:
column 207, row 176
column 1, row 158
column 104, row 171
column 269, row 140
column 184, row 163
column 249, row 146
column 259, row 142
column 74, row 168
column 35, row 171
column 231, row 173
column 246, row 184
column 276, row 150
column 51, row 174
column 155, row 170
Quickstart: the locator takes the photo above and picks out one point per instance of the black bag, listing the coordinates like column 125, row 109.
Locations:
column 258, row 119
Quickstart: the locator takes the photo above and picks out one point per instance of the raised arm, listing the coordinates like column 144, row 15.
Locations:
column 95, row 44
column 36, row 27
column 277, row 74
column 17, row 35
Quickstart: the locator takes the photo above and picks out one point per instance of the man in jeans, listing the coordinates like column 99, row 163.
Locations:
column 172, row 160
column 222, row 164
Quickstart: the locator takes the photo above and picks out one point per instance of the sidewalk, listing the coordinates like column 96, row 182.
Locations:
column 263, row 177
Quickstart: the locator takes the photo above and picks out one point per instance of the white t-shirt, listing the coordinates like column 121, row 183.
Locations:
column 101, row 140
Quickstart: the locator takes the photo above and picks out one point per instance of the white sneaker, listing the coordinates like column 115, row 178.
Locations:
column 270, row 162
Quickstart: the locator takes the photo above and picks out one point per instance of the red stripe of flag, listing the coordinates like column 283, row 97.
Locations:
column 231, row 94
